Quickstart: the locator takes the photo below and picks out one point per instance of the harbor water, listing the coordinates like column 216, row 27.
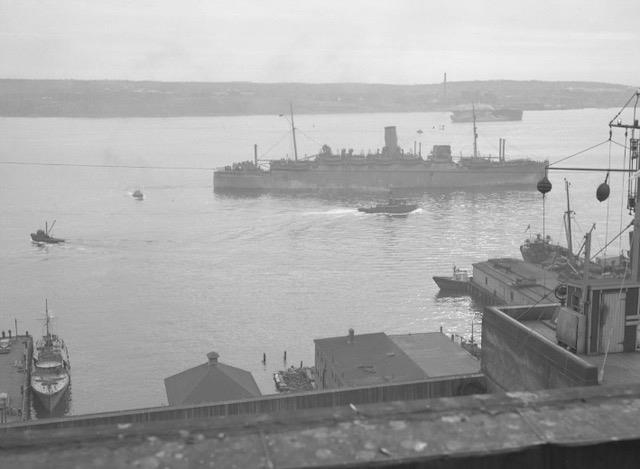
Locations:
column 142, row 290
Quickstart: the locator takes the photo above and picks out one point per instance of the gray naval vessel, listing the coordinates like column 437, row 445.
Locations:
column 391, row 168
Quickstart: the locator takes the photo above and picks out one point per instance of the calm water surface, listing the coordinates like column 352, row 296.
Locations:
column 143, row 290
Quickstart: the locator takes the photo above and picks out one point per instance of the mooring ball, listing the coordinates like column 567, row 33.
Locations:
column 544, row 185
column 603, row 192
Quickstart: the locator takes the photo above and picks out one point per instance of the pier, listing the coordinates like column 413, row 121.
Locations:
column 15, row 371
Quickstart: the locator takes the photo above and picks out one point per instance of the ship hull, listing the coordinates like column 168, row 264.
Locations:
column 496, row 115
column 451, row 285
column 389, row 210
column 50, row 400
column 415, row 177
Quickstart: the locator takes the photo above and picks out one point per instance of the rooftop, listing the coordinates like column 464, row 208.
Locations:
column 210, row 382
column 436, row 354
column 369, row 359
column 531, row 280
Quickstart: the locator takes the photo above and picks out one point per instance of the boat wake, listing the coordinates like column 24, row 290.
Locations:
column 334, row 211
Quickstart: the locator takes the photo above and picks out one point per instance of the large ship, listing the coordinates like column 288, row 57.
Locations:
column 51, row 371
column 389, row 169
column 486, row 115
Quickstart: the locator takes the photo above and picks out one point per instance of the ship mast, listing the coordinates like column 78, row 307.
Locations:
column 46, row 312
column 634, row 168
column 567, row 215
column 293, row 131
column 475, row 132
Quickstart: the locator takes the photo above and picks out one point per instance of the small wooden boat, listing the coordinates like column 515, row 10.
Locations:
column 458, row 282
column 43, row 236
column 137, row 194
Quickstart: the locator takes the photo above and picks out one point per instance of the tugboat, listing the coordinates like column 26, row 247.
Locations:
column 43, row 236
column 393, row 207
column 137, row 194
column 542, row 251
column 51, row 371
column 458, row 282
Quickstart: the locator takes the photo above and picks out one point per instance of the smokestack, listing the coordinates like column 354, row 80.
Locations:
column 444, row 83
column 351, row 336
column 213, row 358
column 390, row 139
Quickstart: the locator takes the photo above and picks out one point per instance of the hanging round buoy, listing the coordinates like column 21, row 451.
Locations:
column 544, row 185
column 603, row 191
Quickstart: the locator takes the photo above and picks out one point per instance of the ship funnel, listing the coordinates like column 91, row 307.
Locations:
column 213, row 358
column 390, row 139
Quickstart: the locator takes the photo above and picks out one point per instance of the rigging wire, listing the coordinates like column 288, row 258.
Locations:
column 606, row 227
column 286, row 134
column 624, row 163
column 579, row 153
column 122, row 166
column 618, row 236
column 308, row 136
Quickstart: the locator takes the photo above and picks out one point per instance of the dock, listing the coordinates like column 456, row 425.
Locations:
column 15, row 371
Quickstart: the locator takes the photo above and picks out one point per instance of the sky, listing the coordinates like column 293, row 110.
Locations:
column 321, row 41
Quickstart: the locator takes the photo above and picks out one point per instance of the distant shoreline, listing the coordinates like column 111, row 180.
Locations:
column 145, row 99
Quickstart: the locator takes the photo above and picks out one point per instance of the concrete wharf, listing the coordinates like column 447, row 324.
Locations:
column 15, row 372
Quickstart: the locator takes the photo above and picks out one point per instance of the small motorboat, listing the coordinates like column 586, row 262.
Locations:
column 393, row 206
column 137, row 194
column 458, row 282
column 44, row 236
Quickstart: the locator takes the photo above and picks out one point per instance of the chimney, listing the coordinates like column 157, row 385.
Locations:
column 351, row 335
column 390, row 139
column 213, row 358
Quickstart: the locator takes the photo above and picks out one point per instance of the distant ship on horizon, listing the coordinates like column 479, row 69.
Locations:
column 488, row 114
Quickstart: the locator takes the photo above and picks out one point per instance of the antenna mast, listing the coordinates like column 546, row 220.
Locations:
column 475, row 132
column 293, row 131
column 46, row 311
column 567, row 215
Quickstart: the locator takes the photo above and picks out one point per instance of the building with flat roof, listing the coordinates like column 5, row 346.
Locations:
column 378, row 358
column 436, row 354
column 210, row 382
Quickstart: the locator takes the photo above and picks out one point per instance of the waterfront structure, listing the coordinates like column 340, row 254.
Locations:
column 210, row 382
column 591, row 337
column 15, row 372
column 377, row 358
